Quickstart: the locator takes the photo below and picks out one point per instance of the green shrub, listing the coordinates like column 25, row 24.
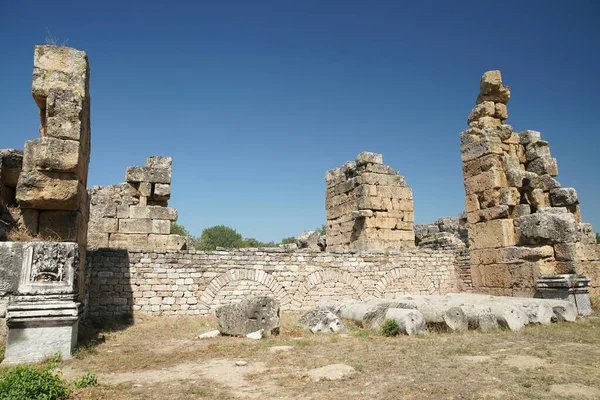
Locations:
column 390, row 328
column 31, row 382
column 89, row 379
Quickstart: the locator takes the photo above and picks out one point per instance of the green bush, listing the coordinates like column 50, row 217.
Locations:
column 219, row 236
column 30, row 382
column 390, row 328
column 89, row 379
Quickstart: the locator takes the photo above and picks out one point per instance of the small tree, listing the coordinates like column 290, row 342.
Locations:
column 288, row 240
column 219, row 236
column 597, row 237
column 177, row 229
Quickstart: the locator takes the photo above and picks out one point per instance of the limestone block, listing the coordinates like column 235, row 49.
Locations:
column 494, row 275
column 537, row 149
column 378, row 169
column 162, row 191
column 510, row 196
column 153, row 212
column 47, row 190
column 166, row 242
column 518, row 178
column 65, row 115
column 563, row 197
column 60, row 225
column 51, row 154
column 145, row 189
column 488, row 214
column 475, row 150
column 492, row 234
column 491, row 179
column 332, row 175
column 544, row 182
column 566, row 251
column 96, row 240
column 481, row 164
column 128, row 241
column 105, row 225
column 363, row 190
column 159, row 162
column 522, row 209
column 162, row 227
column 146, row 174
column 510, row 162
column 548, row 228
column 515, row 254
column 135, row 225
column 492, row 89
column 543, row 166
column 472, row 203
column 501, row 131
column 490, row 198
column 486, row 122
column 123, row 211
column 529, row 137
column 501, row 111
column 485, row 109
column 587, row 232
column 250, row 315
column 370, row 178
column 538, row 198
column 366, row 157
column 61, row 68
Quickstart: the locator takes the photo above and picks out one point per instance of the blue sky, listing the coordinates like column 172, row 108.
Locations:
column 256, row 100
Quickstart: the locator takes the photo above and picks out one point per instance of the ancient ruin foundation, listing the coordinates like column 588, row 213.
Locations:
column 135, row 214
column 521, row 223
column 369, row 206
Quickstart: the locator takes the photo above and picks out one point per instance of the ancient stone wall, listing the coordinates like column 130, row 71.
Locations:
column 51, row 190
column 369, row 206
column 521, row 223
column 135, row 214
column 196, row 282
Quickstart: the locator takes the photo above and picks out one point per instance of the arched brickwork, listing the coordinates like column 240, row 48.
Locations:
column 323, row 276
column 417, row 282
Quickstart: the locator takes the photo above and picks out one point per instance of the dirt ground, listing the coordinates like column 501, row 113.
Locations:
column 161, row 358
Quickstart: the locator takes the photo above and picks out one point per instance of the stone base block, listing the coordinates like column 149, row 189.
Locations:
column 38, row 331
column 571, row 287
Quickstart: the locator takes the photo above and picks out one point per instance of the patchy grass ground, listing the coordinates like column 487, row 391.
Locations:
column 160, row 357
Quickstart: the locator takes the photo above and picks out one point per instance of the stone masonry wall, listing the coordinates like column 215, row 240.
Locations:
column 135, row 214
column 368, row 206
column 196, row 282
column 521, row 222
column 51, row 190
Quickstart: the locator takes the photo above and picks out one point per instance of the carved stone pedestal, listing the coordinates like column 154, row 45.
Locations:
column 43, row 315
column 571, row 287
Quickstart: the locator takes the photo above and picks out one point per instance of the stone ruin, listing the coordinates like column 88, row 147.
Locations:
column 135, row 214
column 11, row 162
column 51, row 191
column 442, row 230
column 369, row 206
column 521, row 223
column 41, row 279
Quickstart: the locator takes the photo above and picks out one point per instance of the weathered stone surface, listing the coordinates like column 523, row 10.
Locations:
column 563, row 197
column 545, row 165
column 318, row 321
column 529, row 137
column 162, row 191
column 65, row 116
column 11, row 163
column 368, row 158
column 547, row 227
column 249, row 316
column 492, row 88
column 492, row 234
column 11, row 260
column 153, row 212
column 47, row 190
column 128, row 241
column 484, row 109
column 135, row 226
column 167, row 242
column 61, row 225
column 309, row 240
column 147, row 174
column 51, row 154
column 60, row 68
column 536, row 150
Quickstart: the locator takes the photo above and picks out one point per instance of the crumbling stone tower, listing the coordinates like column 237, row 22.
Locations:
column 52, row 185
column 521, row 223
column 369, row 206
column 135, row 214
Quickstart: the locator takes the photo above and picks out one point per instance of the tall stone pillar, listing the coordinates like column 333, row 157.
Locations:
column 369, row 206
column 521, row 223
column 43, row 315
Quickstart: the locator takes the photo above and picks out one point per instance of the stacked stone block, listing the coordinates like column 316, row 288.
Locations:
column 369, row 206
column 135, row 214
column 520, row 221
column 51, row 190
column 11, row 162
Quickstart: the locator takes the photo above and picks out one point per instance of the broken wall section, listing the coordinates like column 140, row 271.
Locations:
column 521, row 223
column 11, row 162
column 135, row 214
column 369, row 206
column 51, row 190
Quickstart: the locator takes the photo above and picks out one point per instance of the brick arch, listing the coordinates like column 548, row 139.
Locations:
column 238, row 274
column 327, row 275
column 416, row 278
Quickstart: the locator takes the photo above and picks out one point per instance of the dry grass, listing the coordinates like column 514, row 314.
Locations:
column 160, row 357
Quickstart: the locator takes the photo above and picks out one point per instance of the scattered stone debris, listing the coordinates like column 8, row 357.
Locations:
column 256, row 335
column 319, row 321
column 249, row 316
column 241, row 363
column 210, row 334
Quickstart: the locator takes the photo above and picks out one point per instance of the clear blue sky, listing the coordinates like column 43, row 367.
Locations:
column 256, row 100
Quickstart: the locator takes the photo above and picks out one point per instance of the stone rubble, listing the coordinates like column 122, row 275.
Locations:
column 250, row 316
column 368, row 206
column 319, row 321
column 135, row 214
